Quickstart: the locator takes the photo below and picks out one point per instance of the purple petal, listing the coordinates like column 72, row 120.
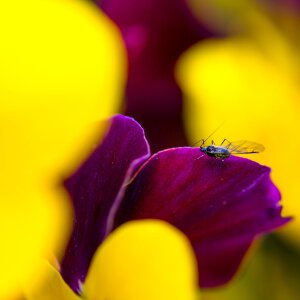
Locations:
column 96, row 190
column 220, row 205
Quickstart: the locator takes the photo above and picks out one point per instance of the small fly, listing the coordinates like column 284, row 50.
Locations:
column 226, row 148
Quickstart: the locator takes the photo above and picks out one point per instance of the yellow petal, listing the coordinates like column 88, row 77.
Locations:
column 235, row 81
column 146, row 260
column 53, row 287
column 30, row 229
column 62, row 71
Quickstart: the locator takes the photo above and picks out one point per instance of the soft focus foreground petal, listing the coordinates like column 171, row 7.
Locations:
column 53, row 287
column 30, row 229
column 146, row 260
column 62, row 69
column 97, row 189
column 68, row 73
column 256, row 93
column 220, row 205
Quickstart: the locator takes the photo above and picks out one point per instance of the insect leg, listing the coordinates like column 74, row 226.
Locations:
column 225, row 140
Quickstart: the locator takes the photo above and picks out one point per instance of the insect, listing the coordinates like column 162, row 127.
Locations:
column 226, row 148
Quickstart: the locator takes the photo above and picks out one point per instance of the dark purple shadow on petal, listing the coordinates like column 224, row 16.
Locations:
column 155, row 33
column 96, row 190
column 220, row 205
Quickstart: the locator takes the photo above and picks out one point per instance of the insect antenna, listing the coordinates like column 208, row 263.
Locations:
column 204, row 140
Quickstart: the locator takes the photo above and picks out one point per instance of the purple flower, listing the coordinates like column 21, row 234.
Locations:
column 220, row 205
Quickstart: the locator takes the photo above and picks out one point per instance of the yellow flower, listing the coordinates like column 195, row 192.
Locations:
column 147, row 260
column 62, row 71
column 250, row 82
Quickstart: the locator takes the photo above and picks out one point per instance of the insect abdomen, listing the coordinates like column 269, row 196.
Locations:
column 218, row 152
column 220, row 155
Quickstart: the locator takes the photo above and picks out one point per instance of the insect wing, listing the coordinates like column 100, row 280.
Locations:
column 244, row 147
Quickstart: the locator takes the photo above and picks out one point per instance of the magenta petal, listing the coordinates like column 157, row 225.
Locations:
column 96, row 190
column 220, row 205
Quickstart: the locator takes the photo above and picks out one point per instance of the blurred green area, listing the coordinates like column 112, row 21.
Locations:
column 271, row 272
